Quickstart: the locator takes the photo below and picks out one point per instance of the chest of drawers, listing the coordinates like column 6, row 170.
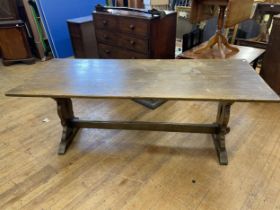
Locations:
column 135, row 35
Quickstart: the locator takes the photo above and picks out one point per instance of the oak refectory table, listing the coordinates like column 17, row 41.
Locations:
column 224, row 81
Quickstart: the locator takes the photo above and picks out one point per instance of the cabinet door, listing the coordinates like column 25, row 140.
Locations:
column 8, row 10
column 13, row 42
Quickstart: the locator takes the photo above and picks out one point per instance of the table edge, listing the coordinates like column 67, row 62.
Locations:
column 276, row 100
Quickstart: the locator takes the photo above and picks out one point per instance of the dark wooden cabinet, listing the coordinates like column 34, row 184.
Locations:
column 83, row 39
column 131, row 35
column 270, row 71
column 14, row 44
column 8, row 10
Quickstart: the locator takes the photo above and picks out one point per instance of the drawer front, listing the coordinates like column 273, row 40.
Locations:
column 134, row 26
column 105, row 22
column 15, row 45
column 135, row 44
column 106, row 37
column 107, row 51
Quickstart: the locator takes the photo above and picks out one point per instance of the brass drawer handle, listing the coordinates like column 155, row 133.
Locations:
column 132, row 42
column 107, row 51
column 131, row 26
column 105, row 22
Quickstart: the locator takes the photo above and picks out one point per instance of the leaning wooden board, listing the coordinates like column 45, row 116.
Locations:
column 225, row 81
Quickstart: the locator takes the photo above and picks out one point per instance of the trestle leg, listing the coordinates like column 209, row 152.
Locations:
column 66, row 114
column 219, row 137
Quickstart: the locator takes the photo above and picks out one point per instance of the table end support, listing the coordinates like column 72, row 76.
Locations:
column 66, row 115
column 219, row 142
column 219, row 139
column 68, row 134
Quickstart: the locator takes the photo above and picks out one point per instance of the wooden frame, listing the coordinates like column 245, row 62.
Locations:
column 71, row 125
column 12, row 13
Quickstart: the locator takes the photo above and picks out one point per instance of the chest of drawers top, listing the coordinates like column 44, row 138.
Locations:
column 126, row 21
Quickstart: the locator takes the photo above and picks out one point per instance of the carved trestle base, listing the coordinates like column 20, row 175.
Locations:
column 222, row 120
column 66, row 115
column 71, row 125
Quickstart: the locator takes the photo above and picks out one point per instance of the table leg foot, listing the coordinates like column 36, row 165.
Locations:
column 219, row 137
column 220, row 147
column 68, row 135
column 66, row 115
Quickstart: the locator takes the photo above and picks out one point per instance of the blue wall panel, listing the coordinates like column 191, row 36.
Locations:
column 55, row 13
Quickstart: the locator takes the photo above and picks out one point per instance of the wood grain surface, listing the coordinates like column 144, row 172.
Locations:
column 209, row 80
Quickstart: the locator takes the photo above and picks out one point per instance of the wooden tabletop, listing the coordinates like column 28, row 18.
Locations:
column 247, row 53
column 178, row 79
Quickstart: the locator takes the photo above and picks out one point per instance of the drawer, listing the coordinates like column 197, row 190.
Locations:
column 107, row 51
column 106, row 36
column 135, row 44
column 105, row 21
column 134, row 26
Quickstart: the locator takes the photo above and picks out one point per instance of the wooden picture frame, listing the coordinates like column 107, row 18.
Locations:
column 8, row 10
